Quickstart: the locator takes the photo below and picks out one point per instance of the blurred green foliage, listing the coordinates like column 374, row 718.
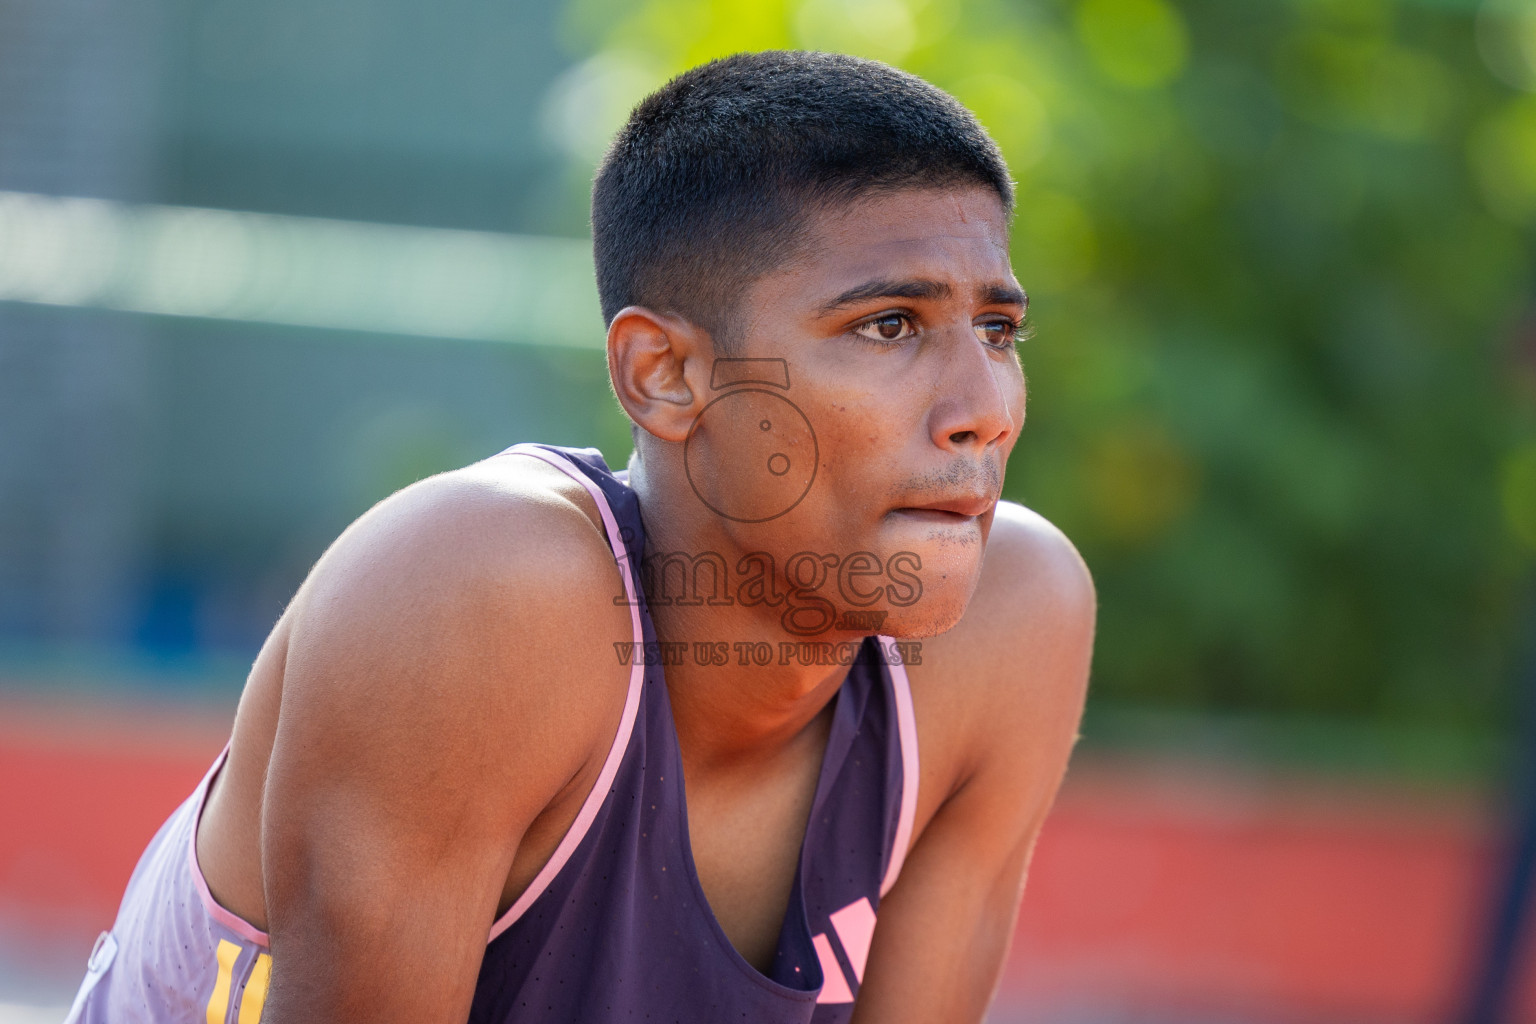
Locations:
column 1279, row 260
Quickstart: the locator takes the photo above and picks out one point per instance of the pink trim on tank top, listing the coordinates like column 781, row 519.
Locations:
column 906, row 727
column 234, row 922
column 600, row 788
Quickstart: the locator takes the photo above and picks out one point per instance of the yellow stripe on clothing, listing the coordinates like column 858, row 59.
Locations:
column 218, row 1003
column 255, row 996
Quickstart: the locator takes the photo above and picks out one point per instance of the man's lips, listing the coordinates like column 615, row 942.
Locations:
column 954, row 508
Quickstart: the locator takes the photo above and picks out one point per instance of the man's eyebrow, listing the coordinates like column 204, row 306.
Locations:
column 991, row 294
column 1002, row 295
column 886, row 289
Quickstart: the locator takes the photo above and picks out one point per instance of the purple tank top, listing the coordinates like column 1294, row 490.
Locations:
column 615, row 927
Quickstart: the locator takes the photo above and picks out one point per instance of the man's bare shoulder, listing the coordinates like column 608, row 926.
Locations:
column 507, row 534
column 447, row 679
column 1034, row 586
column 472, row 608
column 1012, row 674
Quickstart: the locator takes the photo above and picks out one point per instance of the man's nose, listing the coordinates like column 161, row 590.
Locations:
column 972, row 412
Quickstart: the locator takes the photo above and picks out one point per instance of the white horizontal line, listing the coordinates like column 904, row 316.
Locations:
column 306, row 271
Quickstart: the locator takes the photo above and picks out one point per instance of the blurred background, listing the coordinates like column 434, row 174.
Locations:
column 263, row 264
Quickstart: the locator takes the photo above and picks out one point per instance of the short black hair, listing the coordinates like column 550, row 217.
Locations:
column 707, row 186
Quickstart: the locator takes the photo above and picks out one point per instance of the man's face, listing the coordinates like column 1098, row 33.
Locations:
column 896, row 329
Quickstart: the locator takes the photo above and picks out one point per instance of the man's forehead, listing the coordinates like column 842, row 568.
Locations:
column 955, row 238
column 910, row 216
column 959, row 260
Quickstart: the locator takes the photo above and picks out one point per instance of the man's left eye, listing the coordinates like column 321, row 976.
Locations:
column 893, row 327
column 997, row 333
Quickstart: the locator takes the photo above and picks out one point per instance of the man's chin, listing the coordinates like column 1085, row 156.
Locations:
column 922, row 622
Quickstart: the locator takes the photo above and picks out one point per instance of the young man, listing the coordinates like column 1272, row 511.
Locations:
column 763, row 729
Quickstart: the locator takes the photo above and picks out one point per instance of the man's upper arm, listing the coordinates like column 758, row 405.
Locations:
column 434, row 700
column 1014, row 675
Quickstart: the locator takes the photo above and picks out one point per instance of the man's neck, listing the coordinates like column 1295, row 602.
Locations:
column 730, row 715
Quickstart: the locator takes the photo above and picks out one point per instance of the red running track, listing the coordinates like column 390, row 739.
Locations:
column 1156, row 890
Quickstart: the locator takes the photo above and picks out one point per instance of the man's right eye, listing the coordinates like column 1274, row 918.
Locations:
column 890, row 327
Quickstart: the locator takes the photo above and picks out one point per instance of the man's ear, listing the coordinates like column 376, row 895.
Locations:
column 660, row 367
